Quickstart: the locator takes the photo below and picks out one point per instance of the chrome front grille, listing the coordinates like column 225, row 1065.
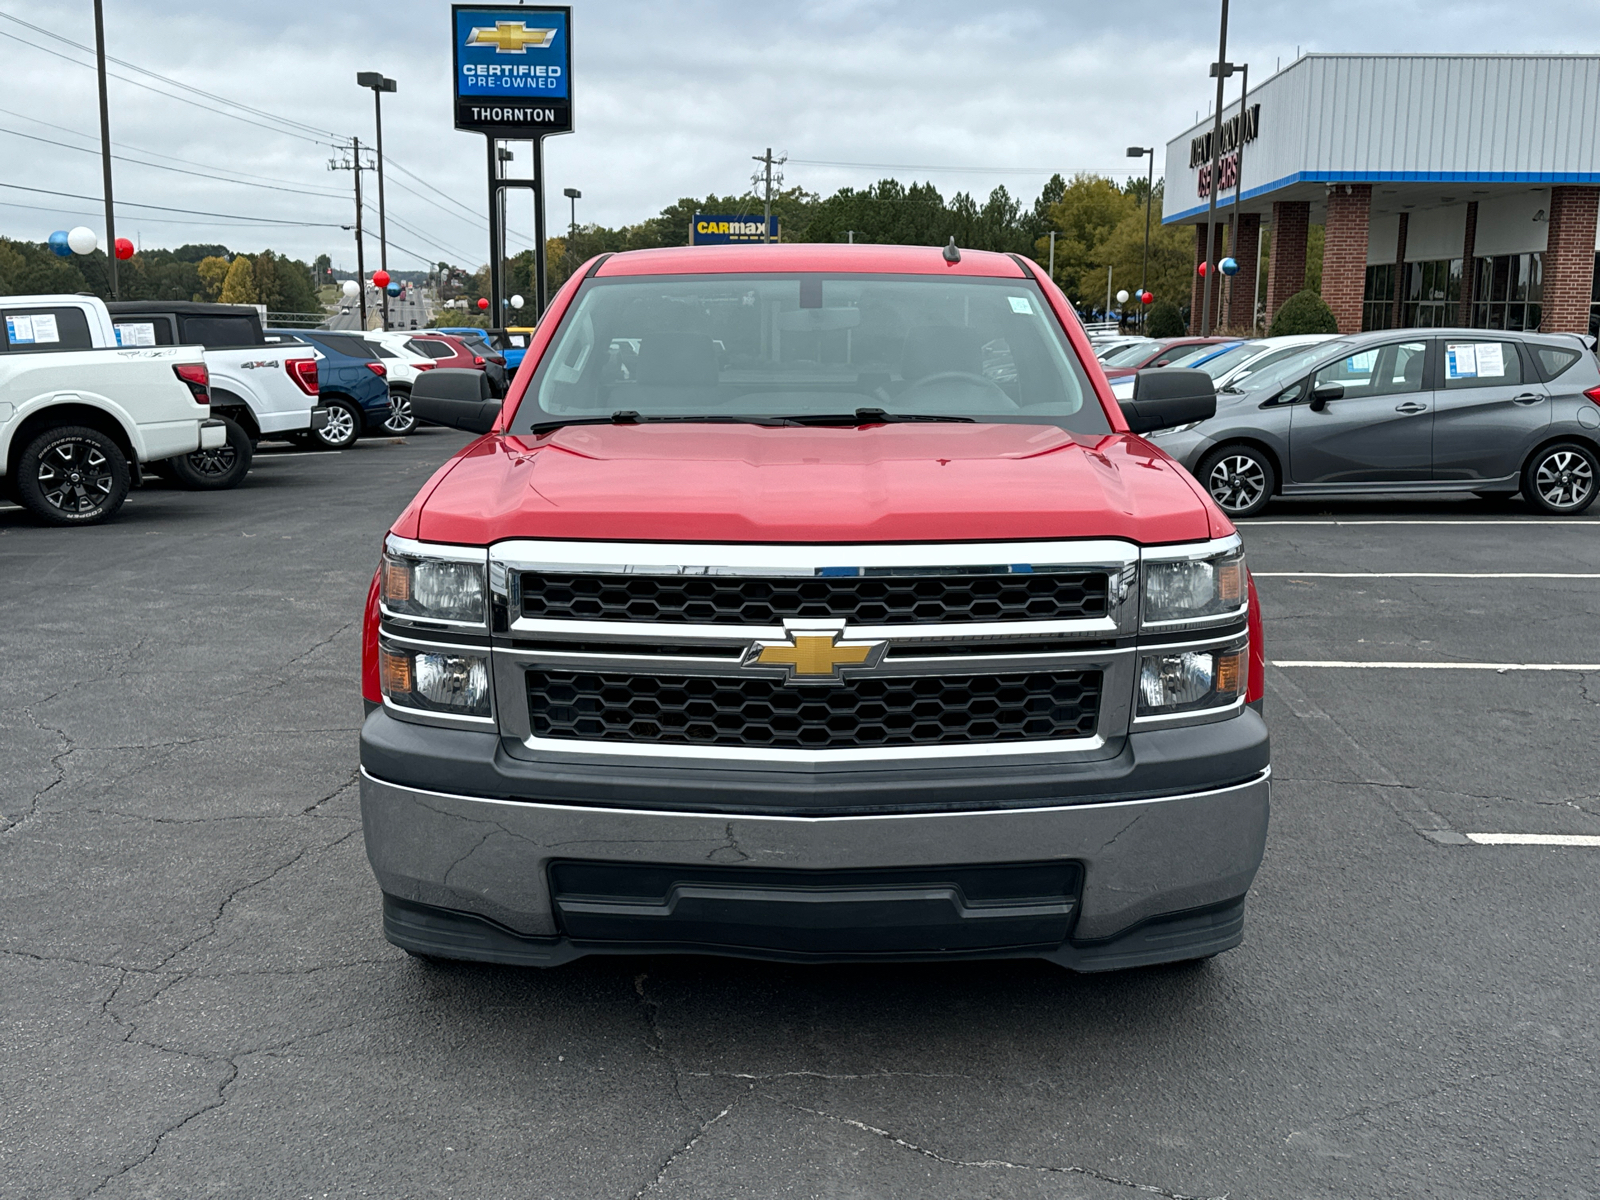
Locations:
column 814, row 654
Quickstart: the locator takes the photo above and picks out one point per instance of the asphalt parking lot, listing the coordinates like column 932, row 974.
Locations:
column 196, row 999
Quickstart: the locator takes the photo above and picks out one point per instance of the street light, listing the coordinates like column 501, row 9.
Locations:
column 574, row 195
column 379, row 85
column 1149, row 195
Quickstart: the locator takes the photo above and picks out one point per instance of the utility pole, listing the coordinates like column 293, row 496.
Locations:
column 1052, row 271
column 1108, row 291
column 354, row 166
column 1220, row 70
column 379, row 85
column 765, row 176
column 105, row 145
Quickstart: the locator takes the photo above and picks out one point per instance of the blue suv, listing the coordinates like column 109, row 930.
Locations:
column 353, row 383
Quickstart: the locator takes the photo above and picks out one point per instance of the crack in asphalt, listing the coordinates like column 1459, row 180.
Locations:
column 155, row 1145
column 763, row 1077
column 355, row 776
column 56, row 762
column 993, row 1163
column 682, row 1150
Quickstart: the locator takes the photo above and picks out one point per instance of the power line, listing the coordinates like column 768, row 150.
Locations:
column 194, row 212
column 818, row 162
column 165, row 79
column 142, row 218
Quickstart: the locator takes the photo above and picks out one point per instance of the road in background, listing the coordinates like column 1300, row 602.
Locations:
column 196, row 999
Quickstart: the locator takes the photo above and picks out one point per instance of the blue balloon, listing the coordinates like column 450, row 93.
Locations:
column 393, row 289
column 1229, row 266
column 58, row 244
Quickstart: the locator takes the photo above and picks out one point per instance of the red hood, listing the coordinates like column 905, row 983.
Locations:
column 746, row 483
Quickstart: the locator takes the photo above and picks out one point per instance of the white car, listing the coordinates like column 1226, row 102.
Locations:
column 79, row 414
column 1234, row 363
column 404, row 365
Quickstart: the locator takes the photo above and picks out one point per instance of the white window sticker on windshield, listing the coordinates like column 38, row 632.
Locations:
column 19, row 331
column 1020, row 304
column 1491, row 360
column 137, row 333
column 1461, row 360
column 44, row 328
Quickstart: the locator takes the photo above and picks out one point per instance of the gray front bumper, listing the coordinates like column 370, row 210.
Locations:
column 1143, row 860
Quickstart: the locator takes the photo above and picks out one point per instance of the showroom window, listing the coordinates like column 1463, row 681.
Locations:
column 1508, row 292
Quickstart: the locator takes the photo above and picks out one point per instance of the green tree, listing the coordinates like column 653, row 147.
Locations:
column 213, row 272
column 1165, row 320
column 239, row 286
column 1304, row 312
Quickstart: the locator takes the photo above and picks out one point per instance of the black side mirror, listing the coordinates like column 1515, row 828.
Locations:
column 1168, row 397
column 459, row 399
column 1323, row 392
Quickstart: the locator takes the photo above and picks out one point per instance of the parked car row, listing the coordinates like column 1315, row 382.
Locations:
column 1418, row 411
column 94, row 396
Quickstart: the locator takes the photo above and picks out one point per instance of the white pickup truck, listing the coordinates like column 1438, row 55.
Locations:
column 260, row 389
column 79, row 414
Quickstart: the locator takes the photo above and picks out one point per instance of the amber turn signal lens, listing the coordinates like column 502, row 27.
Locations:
column 397, row 676
column 1230, row 583
column 1230, row 674
column 396, row 581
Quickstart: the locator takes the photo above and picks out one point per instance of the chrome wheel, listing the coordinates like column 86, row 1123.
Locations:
column 74, row 477
column 1237, row 482
column 1564, row 479
column 340, row 431
column 400, row 421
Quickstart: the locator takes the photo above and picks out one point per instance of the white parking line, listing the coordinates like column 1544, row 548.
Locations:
column 1426, row 575
column 1534, row 839
column 271, row 454
column 1434, row 666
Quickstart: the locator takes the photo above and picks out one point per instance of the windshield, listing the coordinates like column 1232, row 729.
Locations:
column 1219, row 365
column 1127, row 356
column 1188, row 357
column 731, row 347
column 1288, row 368
column 1269, row 358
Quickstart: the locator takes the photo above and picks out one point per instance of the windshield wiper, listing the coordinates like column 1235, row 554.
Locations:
column 872, row 416
column 627, row 416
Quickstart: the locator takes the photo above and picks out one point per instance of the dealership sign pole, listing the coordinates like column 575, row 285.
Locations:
column 513, row 82
column 1220, row 70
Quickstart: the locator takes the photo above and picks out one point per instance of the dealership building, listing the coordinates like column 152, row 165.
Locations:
column 1453, row 190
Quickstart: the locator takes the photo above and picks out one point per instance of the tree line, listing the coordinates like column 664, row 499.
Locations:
column 191, row 272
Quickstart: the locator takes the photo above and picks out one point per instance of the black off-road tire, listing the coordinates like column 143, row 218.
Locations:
column 72, row 475
column 1241, row 479
column 216, row 470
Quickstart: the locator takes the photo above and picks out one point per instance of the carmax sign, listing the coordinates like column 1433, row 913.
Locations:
column 709, row 230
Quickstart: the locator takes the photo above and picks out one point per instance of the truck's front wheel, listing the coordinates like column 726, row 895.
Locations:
column 72, row 475
column 219, row 469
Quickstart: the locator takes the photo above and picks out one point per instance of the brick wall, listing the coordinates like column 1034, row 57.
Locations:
column 1569, row 260
column 1286, row 268
column 1242, row 287
column 1344, row 252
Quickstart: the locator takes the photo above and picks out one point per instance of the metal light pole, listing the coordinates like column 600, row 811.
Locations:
column 1052, row 271
column 1149, row 197
column 105, row 146
column 1220, row 70
column 379, row 85
column 574, row 195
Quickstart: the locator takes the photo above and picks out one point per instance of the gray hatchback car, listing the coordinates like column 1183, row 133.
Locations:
column 1412, row 410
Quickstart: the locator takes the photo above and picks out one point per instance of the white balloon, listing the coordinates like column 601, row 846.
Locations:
column 352, row 288
column 82, row 240
column 1122, row 296
column 516, row 302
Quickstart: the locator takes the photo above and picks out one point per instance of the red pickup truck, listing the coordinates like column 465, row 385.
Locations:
column 816, row 603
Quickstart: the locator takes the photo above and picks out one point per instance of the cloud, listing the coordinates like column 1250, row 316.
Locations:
column 671, row 100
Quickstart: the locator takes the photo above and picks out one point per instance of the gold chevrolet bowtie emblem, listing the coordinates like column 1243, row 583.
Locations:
column 814, row 655
column 511, row 37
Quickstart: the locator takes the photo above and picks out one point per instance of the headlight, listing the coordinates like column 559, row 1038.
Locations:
column 433, row 589
column 1192, row 680
column 454, row 684
column 1183, row 590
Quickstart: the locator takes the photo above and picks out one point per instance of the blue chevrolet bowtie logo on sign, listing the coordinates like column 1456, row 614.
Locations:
column 513, row 69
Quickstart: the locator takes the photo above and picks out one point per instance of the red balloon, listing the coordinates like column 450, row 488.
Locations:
column 1202, row 268
column 1145, row 297
column 380, row 279
column 482, row 304
column 124, row 248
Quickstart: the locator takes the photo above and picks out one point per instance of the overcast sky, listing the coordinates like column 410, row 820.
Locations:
column 671, row 100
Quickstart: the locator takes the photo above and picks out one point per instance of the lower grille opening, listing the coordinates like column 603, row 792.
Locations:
column 864, row 711
column 837, row 913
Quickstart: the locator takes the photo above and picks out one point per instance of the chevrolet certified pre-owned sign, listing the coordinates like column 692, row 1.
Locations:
column 706, row 230
column 513, row 69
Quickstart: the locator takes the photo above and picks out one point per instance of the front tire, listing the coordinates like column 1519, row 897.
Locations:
column 343, row 427
column 401, row 420
column 219, row 469
column 1241, row 479
column 72, row 475
column 1561, row 479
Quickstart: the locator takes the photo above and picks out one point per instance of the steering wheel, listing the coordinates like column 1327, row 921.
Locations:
column 986, row 384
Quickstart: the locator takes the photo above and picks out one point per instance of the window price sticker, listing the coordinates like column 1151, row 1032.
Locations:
column 30, row 331
column 1461, row 360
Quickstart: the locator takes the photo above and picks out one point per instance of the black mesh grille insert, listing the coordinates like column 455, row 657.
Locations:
column 868, row 710
column 860, row 600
